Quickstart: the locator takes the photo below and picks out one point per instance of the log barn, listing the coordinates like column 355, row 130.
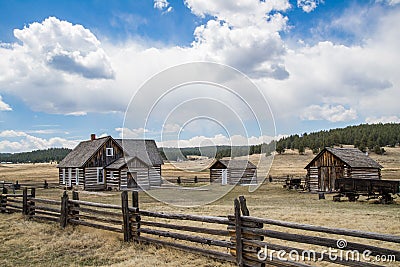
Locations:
column 108, row 163
column 233, row 172
column 334, row 163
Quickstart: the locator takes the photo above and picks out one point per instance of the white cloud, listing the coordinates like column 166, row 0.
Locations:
column 163, row 5
column 389, row 2
column 383, row 119
column 308, row 5
column 131, row 133
column 243, row 34
column 61, row 45
column 19, row 141
column 171, row 128
column 329, row 113
column 4, row 106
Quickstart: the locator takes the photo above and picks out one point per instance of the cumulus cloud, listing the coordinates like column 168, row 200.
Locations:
column 249, row 30
column 383, row 119
column 4, row 106
column 163, row 5
column 64, row 46
column 329, row 113
column 19, row 141
column 308, row 5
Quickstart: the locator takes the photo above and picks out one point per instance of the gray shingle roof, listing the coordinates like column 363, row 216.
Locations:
column 236, row 164
column 145, row 150
column 353, row 157
column 82, row 153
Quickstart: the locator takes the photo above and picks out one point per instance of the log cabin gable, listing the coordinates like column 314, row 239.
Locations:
column 136, row 163
column 218, row 165
column 327, row 159
column 109, row 152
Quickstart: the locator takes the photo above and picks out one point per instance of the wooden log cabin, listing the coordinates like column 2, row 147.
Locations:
column 233, row 172
column 108, row 163
column 334, row 163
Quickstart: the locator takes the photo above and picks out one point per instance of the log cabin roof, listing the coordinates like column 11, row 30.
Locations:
column 353, row 157
column 234, row 164
column 145, row 150
column 121, row 162
column 82, row 153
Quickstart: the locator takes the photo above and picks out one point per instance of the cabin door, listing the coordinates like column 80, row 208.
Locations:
column 324, row 182
column 224, row 177
column 132, row 180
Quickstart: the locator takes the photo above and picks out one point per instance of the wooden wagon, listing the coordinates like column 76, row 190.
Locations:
column 352, row 188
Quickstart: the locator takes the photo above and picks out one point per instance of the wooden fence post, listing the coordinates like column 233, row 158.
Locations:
column 3, row 200
column 64, row 210
column 243, row 206
column 31, row 203
column 25, row 201
column 135, row 199
column 127, row 229
column 75, row 211
column 135, row 216
column 238, row 234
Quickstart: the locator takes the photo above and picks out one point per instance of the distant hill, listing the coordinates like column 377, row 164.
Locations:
column 373, row 137
column 37, row 156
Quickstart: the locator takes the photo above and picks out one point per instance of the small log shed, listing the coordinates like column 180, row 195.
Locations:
column 334, row 163
column 233, row 172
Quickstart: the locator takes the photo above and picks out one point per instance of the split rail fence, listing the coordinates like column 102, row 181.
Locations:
column 239, row 238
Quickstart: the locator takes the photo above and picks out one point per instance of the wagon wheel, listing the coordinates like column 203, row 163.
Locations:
column 352, row 197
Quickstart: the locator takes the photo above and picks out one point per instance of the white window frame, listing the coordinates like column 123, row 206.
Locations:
column 77, row 176
column 98, row 171
column 109, row 151
column 69, row 176
column 63, row 175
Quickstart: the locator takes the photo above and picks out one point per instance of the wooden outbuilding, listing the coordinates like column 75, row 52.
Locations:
column 334, row 163
column 233, row 172
column 108, row 163
column 139, row 168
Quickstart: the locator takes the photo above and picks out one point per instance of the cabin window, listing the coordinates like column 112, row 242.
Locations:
column 109, row 151
column 100, row 177
column 63, row 176
column 77, row 176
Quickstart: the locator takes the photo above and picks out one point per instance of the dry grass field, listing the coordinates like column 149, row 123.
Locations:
column 44, row 244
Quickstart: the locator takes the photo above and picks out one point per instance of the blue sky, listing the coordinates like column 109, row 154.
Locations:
column 69, row 68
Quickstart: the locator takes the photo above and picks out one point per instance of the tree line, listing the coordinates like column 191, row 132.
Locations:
column 366, row 137
column 36, row 156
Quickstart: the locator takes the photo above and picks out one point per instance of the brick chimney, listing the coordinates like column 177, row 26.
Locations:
column 93, row 137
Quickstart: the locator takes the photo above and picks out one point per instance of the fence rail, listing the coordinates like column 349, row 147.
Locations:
column 238, row 238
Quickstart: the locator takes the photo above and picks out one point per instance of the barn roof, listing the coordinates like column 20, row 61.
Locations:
column 235, row 164
column 353, row 157
column 82, row 153
column 145, row 150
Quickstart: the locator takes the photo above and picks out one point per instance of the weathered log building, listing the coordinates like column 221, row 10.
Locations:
column 108, row 163
column 334, row 163
column 233, row 172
